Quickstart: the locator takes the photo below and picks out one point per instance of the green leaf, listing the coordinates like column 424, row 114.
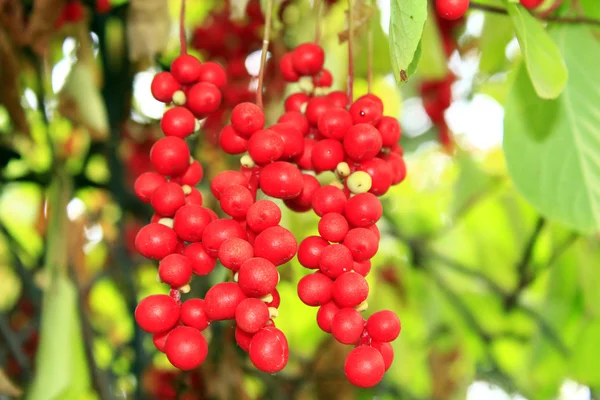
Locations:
column 497, row 33
column 543, row 60
column 407, row 19
column 591, row 8
column 435, row 65
column 559, row 174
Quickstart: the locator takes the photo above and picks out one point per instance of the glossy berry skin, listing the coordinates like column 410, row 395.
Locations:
column 276, row 244
column 186, row 69
column 323, row 79
column 334, row 123
column 160, row 340
column 286, row 67
column 243, row 339
column 175, row 270
column 167, row 199
column 265, row 146
column 269, row 350
column 295, row 101
column 380, row 172
column 338, row 99
column 231, row 142
column 157, row 313
column 308, row 59
column 316, row 108
column 398, row 168
column 384, row 326
column 222, row 300
column 362, row 142
column 179, row 122
column 234, row 252
column 251, row 315
column 347, row 325
column 219, row 231
column 257, row 277
column 309, row 251
column 193, row 314
column 193, row 175
column 333, row 227
column 531, row 4
column 262, row 215
column 390, row 131
column 325, row 316
column 225, row 179
column 156, row 241
column 293, row 141
column 170, row 156
column 213, row 73
column 451, row 9
column 363, row 210
column 281, row 180
column 366, row 111
column 163, row 86
column 203, row 98
column 364, row 367
column 303, row 202
column 387, row 352
column 186, row 348
column 335, row 260
column 194, row 197
column 297, row 119
column 247, row 118
column 189, row 222
column 363, row 268
column 202, row 263
column 327, row 154
column 315, row 289
column 350, row 289
column 362, row 242
column 236, row 200
column 146, row 184
column 328, row 199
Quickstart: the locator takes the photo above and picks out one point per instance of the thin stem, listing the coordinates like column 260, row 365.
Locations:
column 263, row 53
column 182, row 36
column 317, row 21
column 369, row 59
column 350, row 56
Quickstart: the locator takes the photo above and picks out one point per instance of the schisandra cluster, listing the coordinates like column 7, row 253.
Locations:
column 319, row 132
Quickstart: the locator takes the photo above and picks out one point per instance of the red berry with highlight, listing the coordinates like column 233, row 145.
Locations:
column 347, row 325
column 202, row 263
column 262, row 215
column 364, row 367
column 384, row 326
column 146, row 184
column 251, row 315
column 186, row 348
column 315, row 289
column 189, row 222
column 222, row 300
column 308, row 59
column 167, row 199
column 333, row 227
column 350, row 289
column 179, row 122
column 247, row 118
column 276, row 244
column 163, row 86
column 257, row 277
column 170, row 156
column 281, row 180
column 194, row 315
column 265, row 146
column 186, row 69
column 157, row 313
column 234, row 252
column 175, row 270
column 269, row 350
column 156, row 241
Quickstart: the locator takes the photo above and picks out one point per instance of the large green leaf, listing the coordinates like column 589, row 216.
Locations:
column 497, row 33
column 544, row 63
column 591, row 8
column 407, row 19
column 434, row 63
column 559, row 171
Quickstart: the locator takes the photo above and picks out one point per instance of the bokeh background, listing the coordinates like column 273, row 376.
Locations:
column 496, row 301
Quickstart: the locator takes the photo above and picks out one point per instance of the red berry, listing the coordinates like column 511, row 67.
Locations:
column 293, row 141
column 384, row 326
column 251, row 315
column 243, row 339
column 146, row 184
column 304, row 159
column 257, row 277
column 156, row 241
column 325, row 316
column 451, row 9
column 221, row 301
column 363, row 243
column 326, row 155
column 219, row 231
column 363, row 267
column 186, row 69
column 363, row 210
column 281, row 180
column 175, row 270
column 362, row 142
column 193, row 175
column 194, row 197
column 530, row 4
column 315, row 289
column 193, row 314
column 333, row 227
column 269, row 350
column 335, row 260
column 350, row 289
column 160, row 340
column 347, row 325
column 236, row 200
column 225, row 179
column 323, row 79
column 157, row 313
column 189, row 222
column 247, row 118
column 316, row 108
column 170, row 156
column 398, row 168
column 179, row 122
column 276, row 299
column 295, row 102
column 231, row 142
column 186, row 348
column 202, row 263
column 334, row 123
column 308, row 59
column 303, row 202
column 167, row 199
column 213, row 73
column 234, row 252
column 262, row 215
column 309, row 251
column 328, row 199
column 276, row 244
column 287, row 68
column 338, row 99
column 203, row 98
column 380, row 172
column 387, row 352
column 163, row 86
column 390, row 131
column 364, row 367
column 265, row 146
column 297, row 119
column 366, row 111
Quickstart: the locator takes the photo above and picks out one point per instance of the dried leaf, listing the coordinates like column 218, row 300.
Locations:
column 9, row 80
column 148, row 27
column 238, row 9
column 362, row 14
column 7, row 388
column 42, row 23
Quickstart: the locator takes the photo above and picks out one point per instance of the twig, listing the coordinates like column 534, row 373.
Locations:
column 182, row 35
column 263, row 53
column 350, row 55
column 560, row 20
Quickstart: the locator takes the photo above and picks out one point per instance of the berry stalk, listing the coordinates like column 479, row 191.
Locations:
column 350, row 55
column 182, row 36
column 263, row 54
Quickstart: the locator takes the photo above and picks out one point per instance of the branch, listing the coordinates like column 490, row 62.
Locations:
column 560, row 20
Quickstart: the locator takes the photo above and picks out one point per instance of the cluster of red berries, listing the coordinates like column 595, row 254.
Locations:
column 455, row 9
column 74, row 11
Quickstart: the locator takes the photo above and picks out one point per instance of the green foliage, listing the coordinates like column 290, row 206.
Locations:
column 407, row 20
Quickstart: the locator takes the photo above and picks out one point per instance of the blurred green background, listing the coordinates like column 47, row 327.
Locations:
column 489, row 254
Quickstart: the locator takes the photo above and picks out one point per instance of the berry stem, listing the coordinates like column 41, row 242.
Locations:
column 317, row 21
column 350, row 56
column 263, row 53
column 182, row 36
column 369, row 57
